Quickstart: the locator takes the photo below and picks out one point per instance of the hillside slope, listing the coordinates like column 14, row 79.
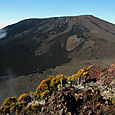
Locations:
column 35, row 45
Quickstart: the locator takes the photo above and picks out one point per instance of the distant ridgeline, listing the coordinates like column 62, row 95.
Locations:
column 92, row 79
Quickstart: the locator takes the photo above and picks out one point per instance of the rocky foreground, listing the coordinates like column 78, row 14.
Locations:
column 89, row 92
column 70, row 100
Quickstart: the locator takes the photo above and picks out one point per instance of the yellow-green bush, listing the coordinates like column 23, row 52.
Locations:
column 32, row 109
column 112, row 99
column 5, row 109
column 82, row 74
column 44, row 85
column 44, row 94
column 13, row 105
column 13, row 108
column 57, row 81
column 36, row 107
column 25, row 98
column 48, row 85
column 27, row 109
column 9, row 100
column 41, row 88
column 17, row 108
column 1, row 110
column 8, row 103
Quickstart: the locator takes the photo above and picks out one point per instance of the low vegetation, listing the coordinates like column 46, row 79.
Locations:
column 82, row 81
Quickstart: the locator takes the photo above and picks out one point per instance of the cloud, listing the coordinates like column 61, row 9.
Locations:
column 3, row 33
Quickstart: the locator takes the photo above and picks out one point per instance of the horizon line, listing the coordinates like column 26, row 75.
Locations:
column 3, row 25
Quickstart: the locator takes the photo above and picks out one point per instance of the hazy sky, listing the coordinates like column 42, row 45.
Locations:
column 12, row 11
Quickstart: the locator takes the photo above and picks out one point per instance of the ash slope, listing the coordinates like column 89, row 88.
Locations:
column 34, row 45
